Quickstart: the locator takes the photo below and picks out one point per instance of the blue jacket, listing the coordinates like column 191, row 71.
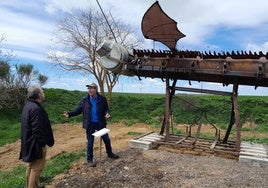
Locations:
column 84, row 107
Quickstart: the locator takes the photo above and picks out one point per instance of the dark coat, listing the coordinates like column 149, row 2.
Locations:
column 36, row 131
column 85, row 107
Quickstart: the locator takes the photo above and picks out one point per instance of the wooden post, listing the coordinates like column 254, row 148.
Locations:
column 167, row 111
column 99, row 134
column 168, row 97
column 237, row 117
column 231, row 123
column 100, row 147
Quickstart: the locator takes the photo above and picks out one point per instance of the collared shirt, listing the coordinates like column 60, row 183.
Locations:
column 94, row 115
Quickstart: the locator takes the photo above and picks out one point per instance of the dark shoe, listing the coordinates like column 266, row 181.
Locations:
column 91, row 164
column 113, row 156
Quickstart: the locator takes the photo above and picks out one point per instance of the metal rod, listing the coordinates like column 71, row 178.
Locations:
column 203, row 91
column 100, row 147
column 107, row 21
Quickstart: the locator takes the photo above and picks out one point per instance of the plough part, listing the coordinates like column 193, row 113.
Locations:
column 243, row 68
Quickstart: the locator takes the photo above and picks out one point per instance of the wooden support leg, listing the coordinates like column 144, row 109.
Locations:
column 200, row 123
column 167, row 117
column 232, row 121
column 163, row 126
column 167, row 110
column 237, row 118
column 100, row 147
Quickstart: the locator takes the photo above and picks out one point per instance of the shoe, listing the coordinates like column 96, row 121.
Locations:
column 113, row 156
column 91, row 164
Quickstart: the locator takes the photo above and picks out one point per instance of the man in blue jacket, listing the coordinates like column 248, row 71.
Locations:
column 95, row 110
column 36, row 134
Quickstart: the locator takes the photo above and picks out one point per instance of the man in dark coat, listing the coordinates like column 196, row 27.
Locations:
column 95, row 112
column 36, row 134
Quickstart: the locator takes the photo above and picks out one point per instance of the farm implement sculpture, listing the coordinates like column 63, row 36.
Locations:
column 230, row 68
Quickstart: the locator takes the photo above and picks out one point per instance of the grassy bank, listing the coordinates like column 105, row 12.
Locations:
column 147, row 108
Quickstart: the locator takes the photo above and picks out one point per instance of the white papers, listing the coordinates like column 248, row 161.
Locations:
column 101, row 132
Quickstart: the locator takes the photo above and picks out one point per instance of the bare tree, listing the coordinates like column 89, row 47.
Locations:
column 79, row 35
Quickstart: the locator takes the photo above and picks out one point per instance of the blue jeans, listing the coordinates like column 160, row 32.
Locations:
column 90, row 141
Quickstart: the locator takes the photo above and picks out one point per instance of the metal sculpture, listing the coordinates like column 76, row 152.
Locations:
column 156, row 25
column 230, row 68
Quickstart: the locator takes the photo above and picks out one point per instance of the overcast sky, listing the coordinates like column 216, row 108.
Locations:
column 28, row 27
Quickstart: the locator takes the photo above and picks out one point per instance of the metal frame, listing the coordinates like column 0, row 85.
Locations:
column 235, row 119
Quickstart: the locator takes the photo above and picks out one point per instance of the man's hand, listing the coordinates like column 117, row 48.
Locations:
column 107, row 115
column 65, row 114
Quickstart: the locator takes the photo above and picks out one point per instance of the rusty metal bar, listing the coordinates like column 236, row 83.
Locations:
column 204, row 91
column 252, row 72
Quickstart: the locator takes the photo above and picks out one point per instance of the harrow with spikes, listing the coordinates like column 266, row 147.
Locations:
column 228, row 68
column 203, row 55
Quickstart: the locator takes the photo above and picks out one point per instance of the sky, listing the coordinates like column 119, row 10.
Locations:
column 209, row 25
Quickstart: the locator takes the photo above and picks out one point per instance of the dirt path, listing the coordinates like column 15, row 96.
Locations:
column 161, row 168
column 70, row 138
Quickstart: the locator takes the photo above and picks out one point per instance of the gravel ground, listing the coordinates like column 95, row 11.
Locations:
column 162, row 168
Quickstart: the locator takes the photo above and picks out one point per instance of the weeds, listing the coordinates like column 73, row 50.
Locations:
column 16, row 176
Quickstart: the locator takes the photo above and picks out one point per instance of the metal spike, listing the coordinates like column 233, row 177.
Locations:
column 233, row 53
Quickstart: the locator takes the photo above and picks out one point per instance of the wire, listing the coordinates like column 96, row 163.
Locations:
column 106, row 20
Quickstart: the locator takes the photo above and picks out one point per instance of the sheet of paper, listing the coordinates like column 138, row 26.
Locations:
column 101, row 132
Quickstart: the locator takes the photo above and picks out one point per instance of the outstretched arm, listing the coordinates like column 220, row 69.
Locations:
column 76, row 111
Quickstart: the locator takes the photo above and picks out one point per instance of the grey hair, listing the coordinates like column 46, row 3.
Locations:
column 33, row 92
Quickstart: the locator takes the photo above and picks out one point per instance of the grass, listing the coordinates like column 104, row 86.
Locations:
column 9, row 132
column 256, row 140
column 16, row 177
column 133, row 133
column 133, row 108
column 9, row 126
